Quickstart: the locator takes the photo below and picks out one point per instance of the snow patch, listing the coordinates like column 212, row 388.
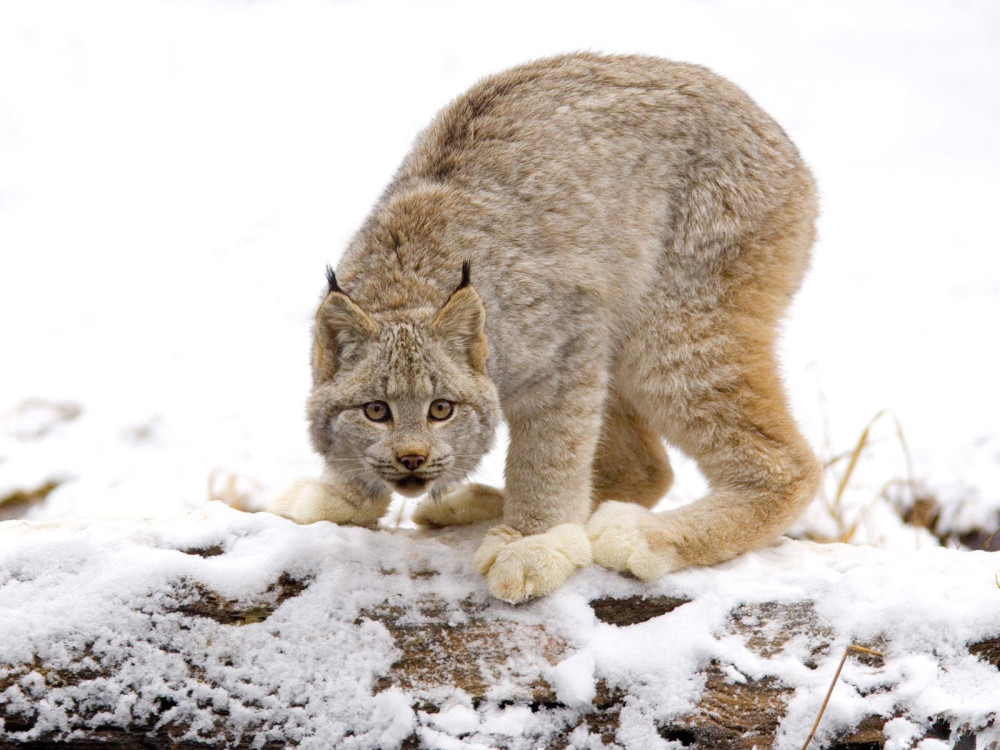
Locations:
column 573, row 680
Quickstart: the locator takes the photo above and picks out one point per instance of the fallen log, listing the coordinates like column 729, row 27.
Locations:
column 456, row 668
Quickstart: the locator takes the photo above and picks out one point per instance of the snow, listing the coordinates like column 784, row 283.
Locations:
column 456, row 720
column 102, row 591
column 174, row 176
column 573, row 679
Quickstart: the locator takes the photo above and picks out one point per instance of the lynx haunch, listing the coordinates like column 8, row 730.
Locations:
column 599, row 250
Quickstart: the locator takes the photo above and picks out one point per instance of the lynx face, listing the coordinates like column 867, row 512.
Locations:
column 402, row 400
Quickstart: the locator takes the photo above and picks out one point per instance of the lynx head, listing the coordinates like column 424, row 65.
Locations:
column 402, row 400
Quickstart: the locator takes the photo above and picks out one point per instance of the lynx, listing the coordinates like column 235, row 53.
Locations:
column 598, row 249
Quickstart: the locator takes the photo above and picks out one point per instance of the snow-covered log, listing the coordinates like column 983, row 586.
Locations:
column 244, row 630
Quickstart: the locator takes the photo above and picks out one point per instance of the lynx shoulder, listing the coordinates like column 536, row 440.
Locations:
column 599, row 249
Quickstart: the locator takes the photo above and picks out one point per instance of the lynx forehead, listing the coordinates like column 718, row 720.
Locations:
column 599, row 249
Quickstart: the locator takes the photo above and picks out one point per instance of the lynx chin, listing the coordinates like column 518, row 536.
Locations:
column 597, row 250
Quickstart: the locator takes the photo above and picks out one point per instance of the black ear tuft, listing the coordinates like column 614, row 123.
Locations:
column 331, row 279
column 466, row 271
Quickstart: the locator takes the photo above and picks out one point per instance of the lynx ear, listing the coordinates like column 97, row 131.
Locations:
column 461, row 323
column 341, row 327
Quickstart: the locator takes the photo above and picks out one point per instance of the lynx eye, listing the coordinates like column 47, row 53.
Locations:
column 377, row 411
column 441, row 409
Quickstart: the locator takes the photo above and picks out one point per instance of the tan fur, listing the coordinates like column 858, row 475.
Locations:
column 470, row 504
column 636, row 228
column 631, row 462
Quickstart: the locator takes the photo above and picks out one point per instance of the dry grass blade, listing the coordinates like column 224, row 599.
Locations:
column 852, row 463
column 853, row 457
column 989, row 539
column 833, row 683
column 17, row 503
column 402, row 512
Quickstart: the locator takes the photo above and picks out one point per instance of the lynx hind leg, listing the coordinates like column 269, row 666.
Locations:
column 631, row 464
column 701, row 370
column 467, row 505
column 631, row 473
column 310, row 500
column 761, row 474
column 626, row 537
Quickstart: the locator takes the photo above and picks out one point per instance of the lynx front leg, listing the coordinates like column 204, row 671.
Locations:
column 542, row 541
column 331, row 499
column 469, row 504
column 519, row 567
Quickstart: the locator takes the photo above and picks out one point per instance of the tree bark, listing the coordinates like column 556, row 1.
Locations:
column 437, row 652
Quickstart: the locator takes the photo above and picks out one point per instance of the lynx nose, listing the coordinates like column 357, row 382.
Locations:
column 411, row 461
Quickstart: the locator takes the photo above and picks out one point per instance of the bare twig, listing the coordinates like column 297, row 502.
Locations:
column 833, row 682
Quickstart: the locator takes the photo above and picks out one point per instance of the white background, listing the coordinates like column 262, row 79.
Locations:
column 175, row 175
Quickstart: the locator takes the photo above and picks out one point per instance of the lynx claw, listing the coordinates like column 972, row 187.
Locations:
column 630, row 539
column 309, row 500
column 519, row 567
column 470, row 504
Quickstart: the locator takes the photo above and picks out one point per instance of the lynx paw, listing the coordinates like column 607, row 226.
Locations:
column 631, row 539
column 470, row 504
column 518, row 567
column 309, row 500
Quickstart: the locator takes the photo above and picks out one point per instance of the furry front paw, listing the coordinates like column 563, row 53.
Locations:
column 628, row 538
column 470, row 504
column 519, row 567
column 309, row 500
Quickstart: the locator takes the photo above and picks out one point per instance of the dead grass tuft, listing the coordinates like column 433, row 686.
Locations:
column 235, row 490
column 848, row 517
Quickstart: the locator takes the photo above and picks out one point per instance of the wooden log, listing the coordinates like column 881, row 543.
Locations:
column 439, row 651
